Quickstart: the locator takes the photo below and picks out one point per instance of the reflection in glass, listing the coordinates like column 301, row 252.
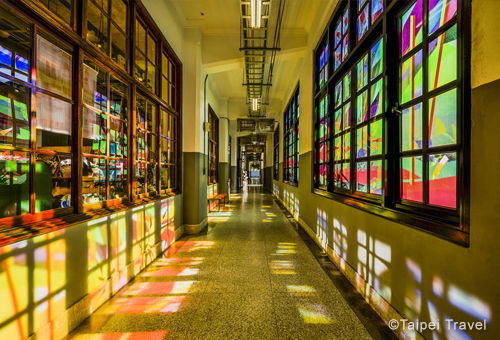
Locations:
column 14, row 183
column 52, row 181
column 94, row 179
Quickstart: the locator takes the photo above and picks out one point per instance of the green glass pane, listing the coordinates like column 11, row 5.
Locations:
column 5, row 107
column 376, row 139
column 338, row 94
column 21, row 110
column 362, row 107
column 411, row 77
column 346, row 146
column 377, row 59
column 347, row 116
column 338, row 120
column 346, row 176
column 14, row 183
column 338, row 148
column 362, row 72
column 376, row 98
column 443, row 59
column 362, row 142
column 347, row 86
column 443, row 119
column 411, row 128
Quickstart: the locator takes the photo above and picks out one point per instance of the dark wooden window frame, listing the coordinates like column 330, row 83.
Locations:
column 44, row 20
column 213, row 147
column 437, row 221
column 276, row 154
column 291, row 126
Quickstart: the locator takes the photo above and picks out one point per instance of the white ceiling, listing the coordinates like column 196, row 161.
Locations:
column 219, row 23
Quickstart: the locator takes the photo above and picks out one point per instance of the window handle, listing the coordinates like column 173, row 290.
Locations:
column 396, row 109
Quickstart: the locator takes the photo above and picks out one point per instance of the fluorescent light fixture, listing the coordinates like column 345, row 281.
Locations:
column 255, row 104
column 255, row 13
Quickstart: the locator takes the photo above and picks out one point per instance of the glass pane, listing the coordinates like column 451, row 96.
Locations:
column 140, row 37
column 118, row 47
column 376, row 177
column 97, row 27
column 140, row 66
column 411, row 128
column 346, row 176
column 151, row 178
column 152, row 118
column 337, row 175
column 345, row 21
column 14, row 183
column 53, row 117
column 411, row 27
column 94, row 132
column 338, row 148
column 443, row 119
column 5, row 56
column 119, row 14
column 118, row 99
column 362, row 142
column 338, row 120
column 324, row 153
column 165, row 177
column 323, row 174
column 151, row 49
column 95, row 89
column 377, row 9
column 376, row 98
column 140, row 177
column 345, row 47
column 338, row 57
column 347, row 86
column 443, row 179
column 53, row 69
column 411, row 77
column 338, row 33
column 347, row 115
column 164, row 89
column 151, row 82
column 118, row 178
column 346, row 146
column 362, row 72
column 14, row 114
column 377, row 59
column 338, row 94
column 118, row 143
column 362, row 24
column 324, row 129
column 362, row 107
column 376, row 139
column 61, row 8
column 141, row 113
column 441, row 11
column 141, row 146
column 94, row 180
column 411, row 179
column 362, row 177
column 52, row 181
column 443, row 59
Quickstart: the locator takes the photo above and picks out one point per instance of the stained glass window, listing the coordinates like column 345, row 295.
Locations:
column 168, row 145
column 147, row 148
column 368, row 13
column 276, row 154
column 370, row 121
column 341, row 39
column 145, row 50
column 323, row 64
column 291, row 140
column 430, row 110
column 392, row 130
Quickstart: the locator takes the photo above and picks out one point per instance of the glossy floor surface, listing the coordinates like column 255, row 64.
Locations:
column 249, row 276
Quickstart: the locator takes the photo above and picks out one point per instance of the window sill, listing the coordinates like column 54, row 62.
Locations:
column 46, row 222
column 446, row 231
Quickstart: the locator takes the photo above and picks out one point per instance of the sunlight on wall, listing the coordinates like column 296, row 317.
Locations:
column 276, row 190
column 322, row 227
column 292, row 203
column 340, row 242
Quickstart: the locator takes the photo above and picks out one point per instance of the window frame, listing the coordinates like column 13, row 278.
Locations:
column 213, row 147
column 290, row 128
column 276, row 153
column 41, row 19
column 442, row 222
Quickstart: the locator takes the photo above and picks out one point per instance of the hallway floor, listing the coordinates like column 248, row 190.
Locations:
column 249, row 276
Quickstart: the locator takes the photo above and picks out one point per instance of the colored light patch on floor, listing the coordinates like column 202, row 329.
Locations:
column 173, row 271
column 314, row 314
column 298, row 290
column 156, row 335
column 159, row 288
column 135, row 305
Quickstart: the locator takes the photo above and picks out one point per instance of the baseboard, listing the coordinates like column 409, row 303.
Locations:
column 191, row 229
column 381, row 306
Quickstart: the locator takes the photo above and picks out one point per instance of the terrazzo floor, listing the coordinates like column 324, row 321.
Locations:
column 249, row 276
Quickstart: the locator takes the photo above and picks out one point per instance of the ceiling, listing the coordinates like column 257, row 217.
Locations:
column 219, row 23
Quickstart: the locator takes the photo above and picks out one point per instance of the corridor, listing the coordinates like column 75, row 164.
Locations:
column 250, row 276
